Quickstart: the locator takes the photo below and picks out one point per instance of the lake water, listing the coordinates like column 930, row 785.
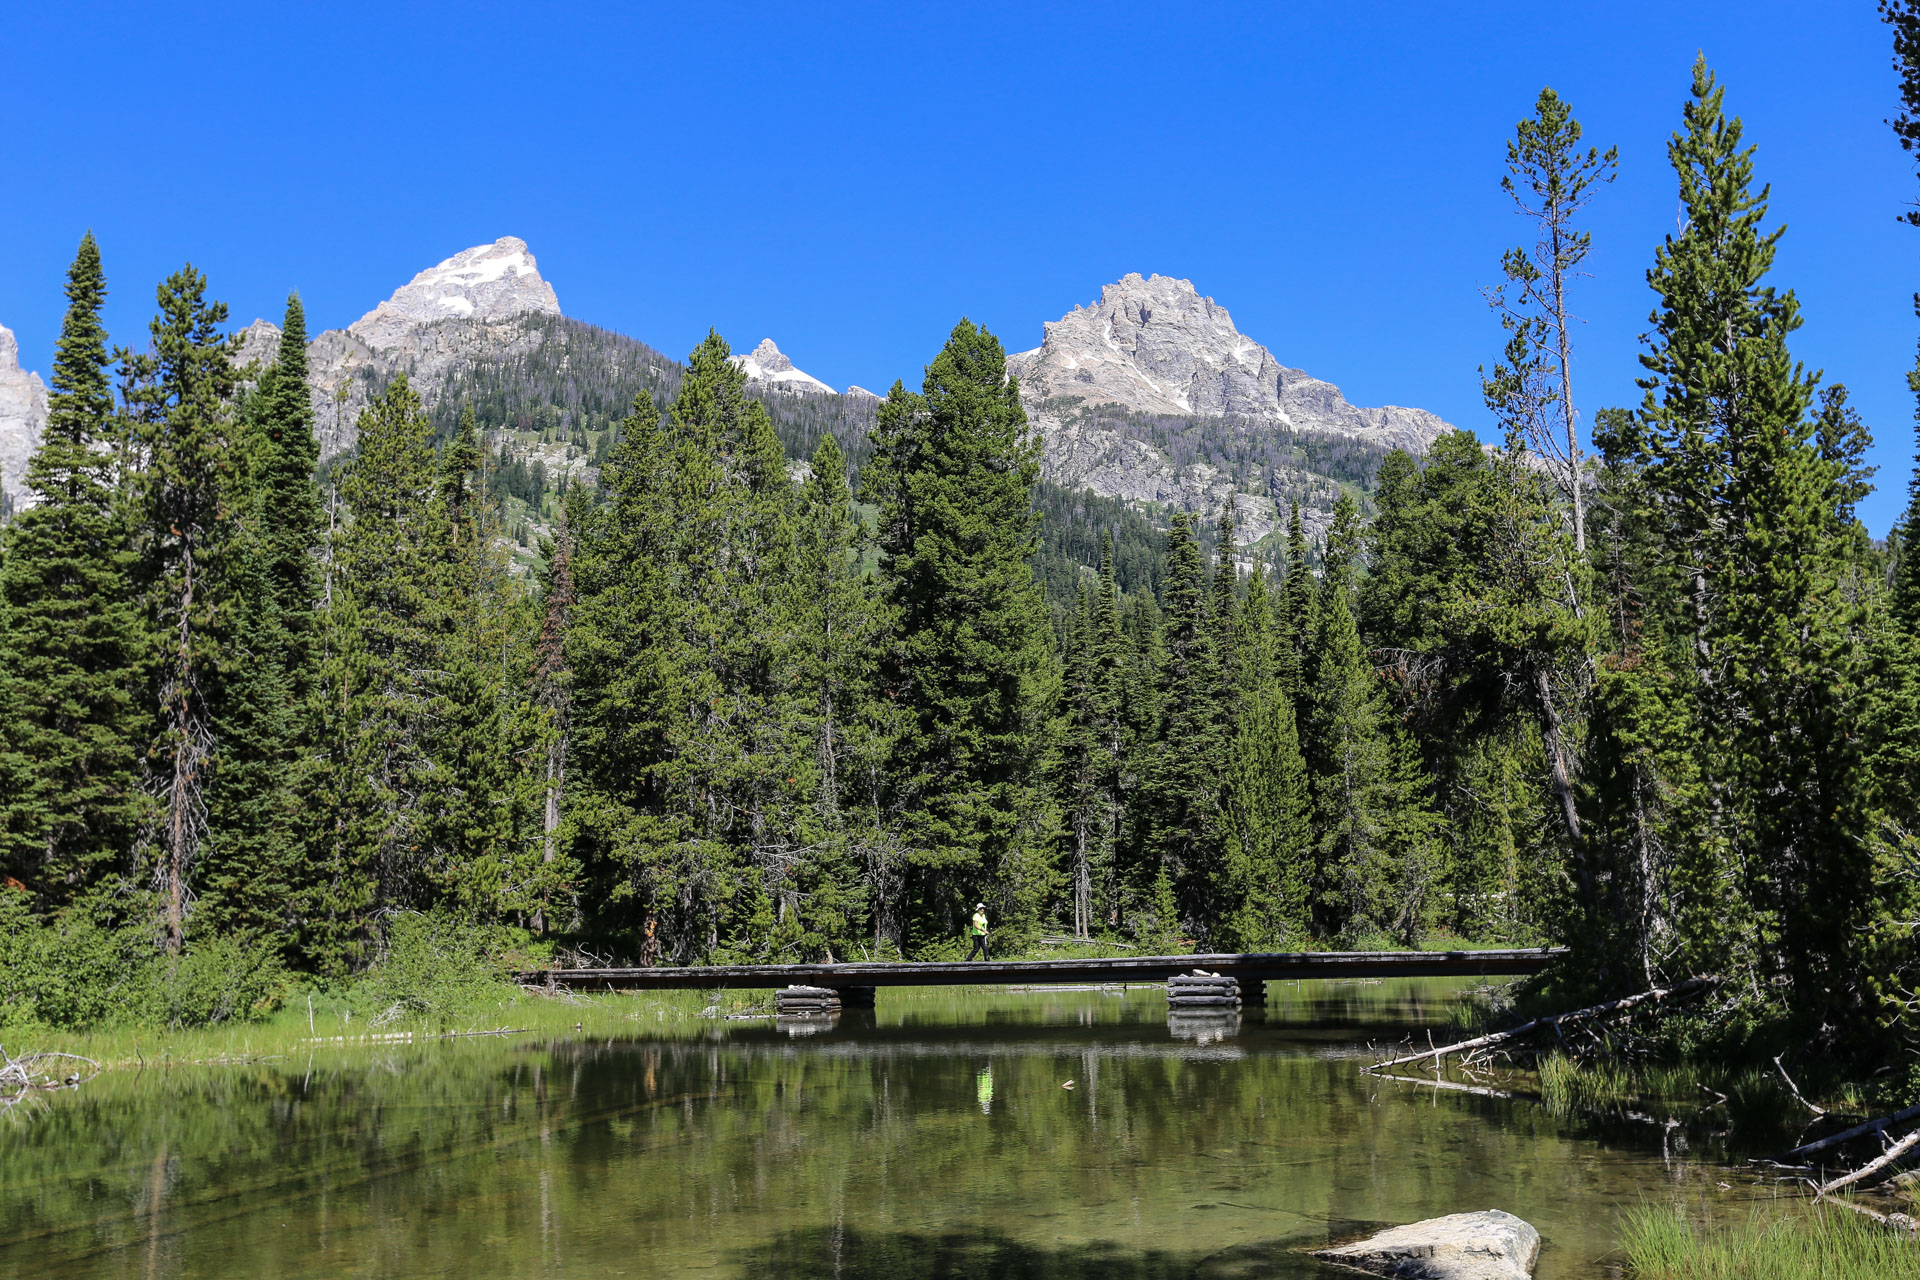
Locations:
column 932, row 1137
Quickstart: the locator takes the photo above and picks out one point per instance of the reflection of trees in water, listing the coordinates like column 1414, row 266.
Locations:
column 846, row 1254
column 701, row 1148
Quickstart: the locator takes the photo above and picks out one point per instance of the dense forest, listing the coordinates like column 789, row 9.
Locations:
column 1661, row 703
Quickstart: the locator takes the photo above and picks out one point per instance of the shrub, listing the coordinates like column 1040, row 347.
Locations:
column 434, row 969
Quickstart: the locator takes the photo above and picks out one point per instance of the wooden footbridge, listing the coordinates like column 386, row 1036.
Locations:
column 857, row 980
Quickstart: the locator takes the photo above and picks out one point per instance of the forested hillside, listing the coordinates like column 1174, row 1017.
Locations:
column 1661, row 704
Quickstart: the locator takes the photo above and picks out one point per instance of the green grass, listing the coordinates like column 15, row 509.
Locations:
column 342, row 1024
column 1818, row 1244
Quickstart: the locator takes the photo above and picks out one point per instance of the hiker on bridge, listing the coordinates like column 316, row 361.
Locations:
column 980, row 933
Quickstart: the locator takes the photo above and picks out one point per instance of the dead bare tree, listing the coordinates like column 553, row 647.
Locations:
column 1550, row 181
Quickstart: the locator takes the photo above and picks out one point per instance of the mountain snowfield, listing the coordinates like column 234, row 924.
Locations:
column 1149, row 394
column 767, row 365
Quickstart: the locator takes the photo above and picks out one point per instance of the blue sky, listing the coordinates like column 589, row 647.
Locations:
column 851, row 179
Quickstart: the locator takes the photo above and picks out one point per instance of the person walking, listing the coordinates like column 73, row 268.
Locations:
column 980, row 933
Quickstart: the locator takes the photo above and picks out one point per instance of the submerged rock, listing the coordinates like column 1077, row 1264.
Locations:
column 1491, row 1245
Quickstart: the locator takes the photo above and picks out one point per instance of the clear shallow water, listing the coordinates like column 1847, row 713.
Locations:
column 931, row 1137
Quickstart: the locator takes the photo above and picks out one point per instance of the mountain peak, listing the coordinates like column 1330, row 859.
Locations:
column 487, row 282
column 769, row 364
column 1155, row 344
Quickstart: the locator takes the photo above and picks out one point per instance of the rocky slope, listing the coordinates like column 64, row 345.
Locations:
column 23, row 414
column 1151, row 394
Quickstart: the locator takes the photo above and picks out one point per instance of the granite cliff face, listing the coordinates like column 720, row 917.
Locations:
column 23, row 415
column 766, row 364
column 1151, row 394
column 1156, row 346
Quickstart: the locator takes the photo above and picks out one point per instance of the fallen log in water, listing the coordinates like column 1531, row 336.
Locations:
column 1847, row 1135
column 1692, row 986
column 1867, row 1170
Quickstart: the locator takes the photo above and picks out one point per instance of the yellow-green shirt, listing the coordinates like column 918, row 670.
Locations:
column 979, row 924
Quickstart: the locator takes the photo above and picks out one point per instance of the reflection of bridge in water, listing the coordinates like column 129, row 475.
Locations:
column 854, row 983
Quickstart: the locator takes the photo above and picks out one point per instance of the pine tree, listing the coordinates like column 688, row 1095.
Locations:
column 1297, row 620
column 1266, row 816
column 838, row 734
column 1180, row 792
column 258, row 816
column 1375, row 856
column 1746, row 549
column 953, row 474
column 553, row 693
column 478, row 620
column 619, row 647
column 71, row 728
column 379, row 640
column 179, row 396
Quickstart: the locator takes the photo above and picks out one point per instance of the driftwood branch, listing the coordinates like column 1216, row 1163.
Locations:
column 1872, row 1167
column 19, row 1075
column 1555, row 1022
column 1847, row 1135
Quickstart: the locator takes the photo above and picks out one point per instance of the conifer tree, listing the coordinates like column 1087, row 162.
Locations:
column 838, row 734
column 953, row 474
column 1181, row 790
column 619, row 648
column 1297, row 601
column 380, row 639
column 71, row 726
column 258, row 815
column 179, row 396
column 1266, row 814
column 1550, row 181
column 1745, row 548
column 477, row 621
column 553, row 693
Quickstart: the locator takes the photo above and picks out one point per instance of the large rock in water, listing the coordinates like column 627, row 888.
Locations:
column 23, row 415
column 1491, row 1245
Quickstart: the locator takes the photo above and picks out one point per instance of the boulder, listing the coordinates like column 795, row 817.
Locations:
column 1490, row 1245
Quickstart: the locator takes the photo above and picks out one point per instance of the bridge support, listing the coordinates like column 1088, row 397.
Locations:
column 1202, row 990
column 806, row 1000
column 855, row 997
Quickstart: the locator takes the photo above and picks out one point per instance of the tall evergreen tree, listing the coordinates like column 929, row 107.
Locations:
column 71, row 724
column 953, row 475
column 258, row 815
column 1181, row 791
column 179, row 395
column 1746, row 548
column 1266, row 813
column 839, row 731
column 380, row 641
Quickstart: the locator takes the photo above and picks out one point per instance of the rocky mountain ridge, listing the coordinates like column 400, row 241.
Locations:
column 23, row 416
column 1149, row 395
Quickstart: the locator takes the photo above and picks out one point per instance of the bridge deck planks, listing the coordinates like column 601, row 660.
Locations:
column 1143, row 969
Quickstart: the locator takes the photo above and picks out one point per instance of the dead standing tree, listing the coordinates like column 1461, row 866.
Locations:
column 1531, row 391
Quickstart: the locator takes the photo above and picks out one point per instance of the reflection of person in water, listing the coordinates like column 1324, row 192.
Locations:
column 983, row 1085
